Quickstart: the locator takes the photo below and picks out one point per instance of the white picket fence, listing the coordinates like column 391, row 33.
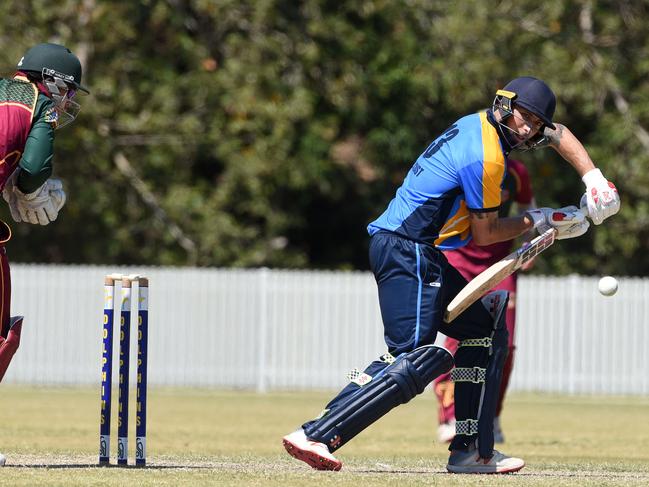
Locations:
column 296, row 330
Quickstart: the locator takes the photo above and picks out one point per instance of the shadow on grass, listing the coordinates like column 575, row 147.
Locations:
column 559, row 474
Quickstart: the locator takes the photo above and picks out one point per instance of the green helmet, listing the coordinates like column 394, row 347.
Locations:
column 60, row 72
column 53, row 60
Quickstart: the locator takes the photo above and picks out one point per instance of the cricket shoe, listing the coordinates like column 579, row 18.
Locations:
column 470, row 462
column 446, row 431
column 499, row 437
column 313, row 453
column 3, row 460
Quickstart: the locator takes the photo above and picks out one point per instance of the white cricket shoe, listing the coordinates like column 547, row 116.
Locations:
column 446, row 432
column 499, row 437
column 470, row 462
column 313, row 453
column 3, row 460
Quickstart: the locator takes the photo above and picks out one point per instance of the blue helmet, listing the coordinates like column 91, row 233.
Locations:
column 530, row 93
column 533, row 95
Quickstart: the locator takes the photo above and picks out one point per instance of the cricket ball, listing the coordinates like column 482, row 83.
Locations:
column 607, row 286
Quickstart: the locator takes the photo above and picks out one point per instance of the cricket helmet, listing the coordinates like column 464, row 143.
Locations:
column 60, row 72
column 533, row 95
column 530, row 93
column 53, row 60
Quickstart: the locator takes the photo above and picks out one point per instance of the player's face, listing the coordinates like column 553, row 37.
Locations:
column 62, row 93
column 524, row 123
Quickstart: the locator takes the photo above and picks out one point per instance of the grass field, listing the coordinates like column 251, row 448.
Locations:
column 197, row 438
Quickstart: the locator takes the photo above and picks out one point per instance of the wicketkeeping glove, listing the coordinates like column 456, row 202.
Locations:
column 40, row 207
column 601, row 196
column 10, row 197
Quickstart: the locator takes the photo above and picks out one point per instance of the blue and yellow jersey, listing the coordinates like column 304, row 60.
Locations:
column 460, row 170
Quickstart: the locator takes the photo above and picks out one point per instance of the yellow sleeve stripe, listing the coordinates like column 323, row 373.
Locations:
column 458, row 224
column 494, row 164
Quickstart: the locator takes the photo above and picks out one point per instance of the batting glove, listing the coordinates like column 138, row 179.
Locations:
column 569, row 221
column 602, row 198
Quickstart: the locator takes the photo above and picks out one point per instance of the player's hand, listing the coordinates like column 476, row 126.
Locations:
column 574, row 230
column 542, row 217
column 42, row 206
column 601, row 196
column 569, row 221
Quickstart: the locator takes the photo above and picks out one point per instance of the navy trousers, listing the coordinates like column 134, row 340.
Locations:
column 415, row 284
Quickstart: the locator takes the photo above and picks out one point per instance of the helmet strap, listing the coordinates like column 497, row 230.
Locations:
column 503, row 107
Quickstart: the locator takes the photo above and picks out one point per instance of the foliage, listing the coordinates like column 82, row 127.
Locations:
column 271, row 132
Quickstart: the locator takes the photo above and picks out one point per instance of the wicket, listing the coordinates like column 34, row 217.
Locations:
column 124, row 364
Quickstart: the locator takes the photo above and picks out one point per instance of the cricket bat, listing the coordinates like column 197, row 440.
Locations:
column 488, row 278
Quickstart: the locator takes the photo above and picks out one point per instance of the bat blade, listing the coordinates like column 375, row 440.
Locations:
column 495, row 274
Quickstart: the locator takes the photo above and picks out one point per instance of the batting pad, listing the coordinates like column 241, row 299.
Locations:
column 397, row 384
column 480, row 363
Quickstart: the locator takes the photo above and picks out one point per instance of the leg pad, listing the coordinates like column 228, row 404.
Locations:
column 396, row 384
column 478, row 374
column 496, row 303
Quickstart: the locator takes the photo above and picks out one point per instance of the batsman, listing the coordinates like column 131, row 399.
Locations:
column 451, row 196
column 36, row 101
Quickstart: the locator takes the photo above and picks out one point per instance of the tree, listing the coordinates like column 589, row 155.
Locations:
column 270, row 132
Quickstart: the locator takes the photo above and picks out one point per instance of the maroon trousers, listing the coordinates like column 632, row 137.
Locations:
column 11, row 328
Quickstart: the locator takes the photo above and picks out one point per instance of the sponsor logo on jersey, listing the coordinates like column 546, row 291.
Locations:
column 52, row 116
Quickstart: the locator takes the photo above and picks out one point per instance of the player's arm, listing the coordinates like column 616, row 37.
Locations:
column 31, row 194
column 522, row 209
column 488, row 228
column 601, row 195
column 36, row 162
column 568, row 146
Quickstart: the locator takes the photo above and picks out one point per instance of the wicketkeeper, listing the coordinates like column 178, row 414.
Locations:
column 33, row 104
column 452, row 195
